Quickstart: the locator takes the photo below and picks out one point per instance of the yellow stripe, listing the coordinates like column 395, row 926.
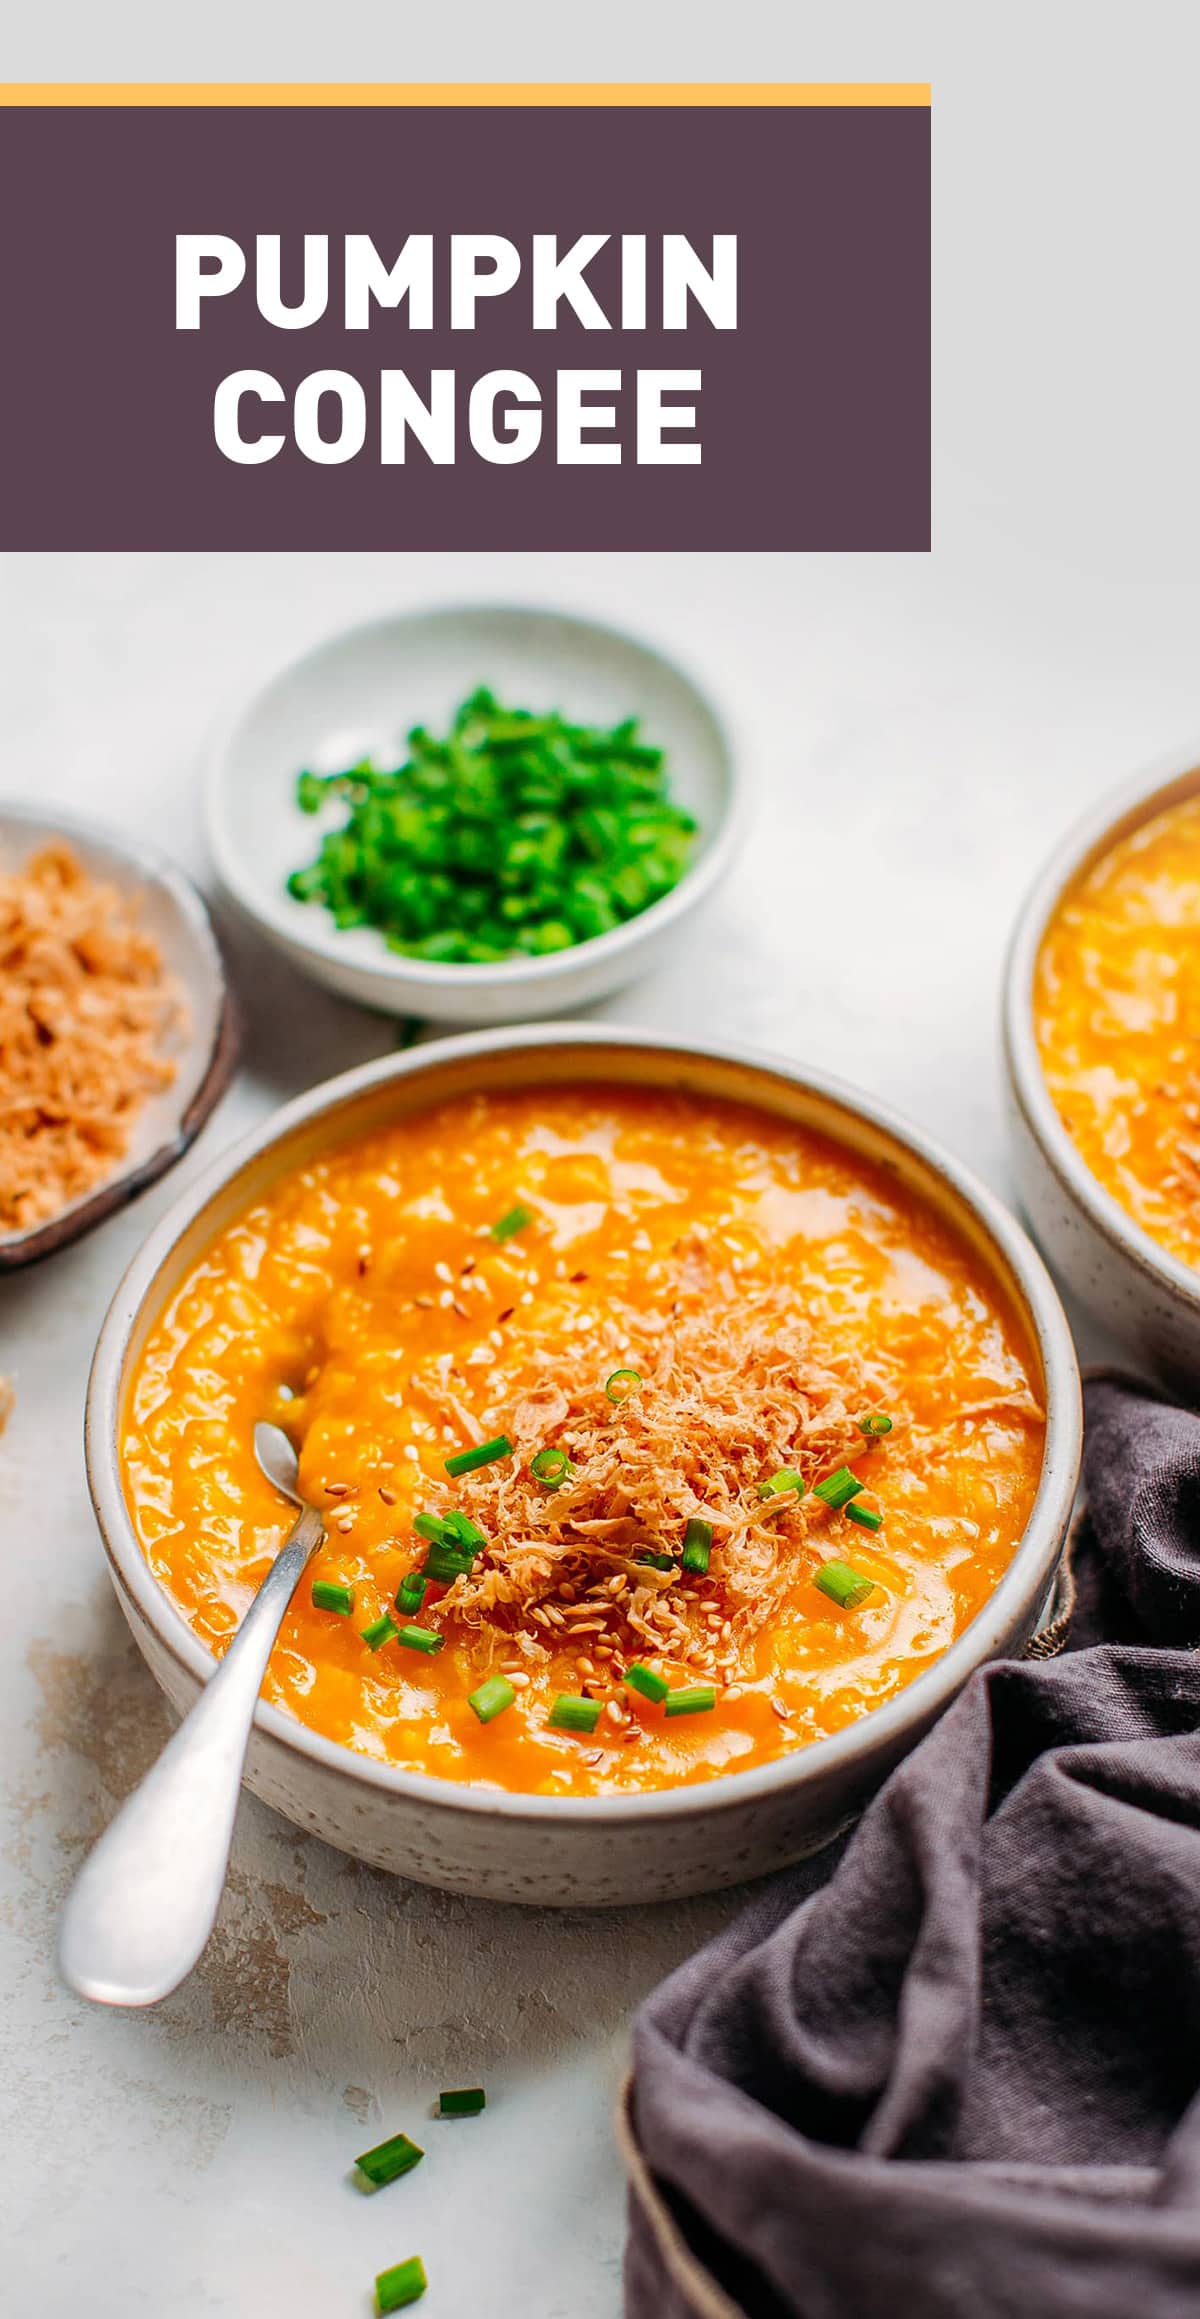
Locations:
column 465, row 93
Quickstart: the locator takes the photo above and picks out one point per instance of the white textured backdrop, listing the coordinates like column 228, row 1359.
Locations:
column 922, row 731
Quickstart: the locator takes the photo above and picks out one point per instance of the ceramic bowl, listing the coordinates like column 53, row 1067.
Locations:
column 564, row 1850
column 361, row 693
column 172, row 912
column 1143, row 1295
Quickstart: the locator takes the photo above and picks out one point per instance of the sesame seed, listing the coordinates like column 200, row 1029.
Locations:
column 388, row 1496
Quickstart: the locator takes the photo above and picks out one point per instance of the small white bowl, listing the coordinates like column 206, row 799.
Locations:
column 361, row 692
column 597, row 1851
column 1141, row 1293
column 172, row 912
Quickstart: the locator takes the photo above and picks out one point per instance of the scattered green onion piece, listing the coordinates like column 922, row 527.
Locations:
column 551, row 1468
column 327, row 1596
column 865, row 1516
column 484, row 1453
column 571, row 1713
column 412, row 1638
column 379, row 1632
column 404, row 2283
column 838, row 1488
column 621, row 1384
column 777, row 1484
column 411, row 1592
column 492, row 1698
column 697, row 1544
column 464, row 2102
column 446, row 1563
column 657, row 1561
column 462, row 1530
column 428, row 1526
column 388, row 2160
column 693, row 1699
column 644, row 1679
column 847, row 1587
column 874, row 1425
column 516, row 1220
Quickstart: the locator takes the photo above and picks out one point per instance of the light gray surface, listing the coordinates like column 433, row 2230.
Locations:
column 922, row 733
column 925, row 731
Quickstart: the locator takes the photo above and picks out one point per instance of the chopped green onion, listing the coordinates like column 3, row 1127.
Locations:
column 484, row 1453
column 697, row 1544
column 838, row 1488
column 462, row 1530
column 644, row 1679
column 873, row 1425
column 571, row 1713
column 621, row 1384
column 464, row 2102
column 388, row 2160
column 429, row 1525
column 516, row 1220
column 492, row 1698
column 379, row 1632
column 657, row 1561
column 778, row 1484
column 404, row 2283
column 843, row 1585
column 551, row 1467
column 327, row 1596
column 411, row 1592
column 865, row 1516
column 508, row 833
column 425, row 1639
column 693, row 1699
column 445, row 1563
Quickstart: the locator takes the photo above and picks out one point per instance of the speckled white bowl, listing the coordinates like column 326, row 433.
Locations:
column 359, row 693
column 203, row 1048
column 569, row 1851
column 1143, row 1295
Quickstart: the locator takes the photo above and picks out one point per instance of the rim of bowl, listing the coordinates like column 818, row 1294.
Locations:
column 117, row 1191
column 1169, row 780
column 512, row 974
column 1028, row 1574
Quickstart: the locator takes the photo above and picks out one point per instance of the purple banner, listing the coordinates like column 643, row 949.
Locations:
column 699, row 327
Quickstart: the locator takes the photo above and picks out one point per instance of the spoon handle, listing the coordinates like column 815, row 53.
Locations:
column 143, row 1905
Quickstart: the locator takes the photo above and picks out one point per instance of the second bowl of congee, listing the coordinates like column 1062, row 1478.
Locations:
column 1104, row 1043
column 660, row 1436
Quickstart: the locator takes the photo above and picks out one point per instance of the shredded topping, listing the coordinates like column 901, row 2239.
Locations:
column 85, row 1009
column 728, row 1396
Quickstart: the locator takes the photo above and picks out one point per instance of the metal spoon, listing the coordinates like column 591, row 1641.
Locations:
column 144, row 1904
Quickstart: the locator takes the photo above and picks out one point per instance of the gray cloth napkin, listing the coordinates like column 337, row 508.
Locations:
column 949, row 2067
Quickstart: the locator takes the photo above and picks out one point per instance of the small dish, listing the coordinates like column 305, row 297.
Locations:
column 362, row 691
column 571, row 1851
column 173, row 913
column 1142, row 1294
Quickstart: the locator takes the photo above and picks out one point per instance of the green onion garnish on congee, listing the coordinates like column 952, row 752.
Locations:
column 467, row 1461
